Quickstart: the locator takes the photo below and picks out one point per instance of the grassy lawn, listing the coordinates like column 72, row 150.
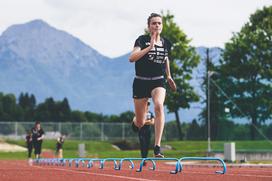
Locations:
column 93, row 148
column 99, row 149
column 13, row 155
column 201, row 146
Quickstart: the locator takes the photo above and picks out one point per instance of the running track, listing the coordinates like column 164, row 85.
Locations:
column 11, row 170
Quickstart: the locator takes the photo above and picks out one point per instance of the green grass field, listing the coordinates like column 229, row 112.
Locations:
column 105, row 149
column 201, row 146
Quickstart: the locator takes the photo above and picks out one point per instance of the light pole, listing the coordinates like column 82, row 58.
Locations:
column 210, row 73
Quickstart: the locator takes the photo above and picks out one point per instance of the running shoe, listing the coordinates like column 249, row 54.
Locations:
column 157, row 152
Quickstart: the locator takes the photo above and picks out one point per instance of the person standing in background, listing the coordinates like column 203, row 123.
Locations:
column 37, row 138
column 59, row 147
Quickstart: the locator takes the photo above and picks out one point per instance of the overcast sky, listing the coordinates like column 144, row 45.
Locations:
column 111, row 26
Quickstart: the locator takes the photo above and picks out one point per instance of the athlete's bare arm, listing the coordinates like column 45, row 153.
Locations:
column 170, row 80
column 137, row 53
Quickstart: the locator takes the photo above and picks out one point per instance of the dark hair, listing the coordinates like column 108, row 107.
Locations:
column 37, row 122
column 148, row 103
column 152, row 15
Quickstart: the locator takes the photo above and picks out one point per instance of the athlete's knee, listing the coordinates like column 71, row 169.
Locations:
column 158, row 108
column 139, row 122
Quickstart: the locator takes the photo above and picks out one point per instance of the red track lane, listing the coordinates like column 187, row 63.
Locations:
column 11, row 170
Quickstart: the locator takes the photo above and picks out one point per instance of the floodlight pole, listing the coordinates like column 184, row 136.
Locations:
column 208, row 108
column 210, row 73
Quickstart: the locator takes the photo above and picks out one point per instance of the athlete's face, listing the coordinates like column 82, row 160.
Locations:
column 155, row 25
column 38, row 126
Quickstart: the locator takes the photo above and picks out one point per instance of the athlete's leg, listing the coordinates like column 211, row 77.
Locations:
column 141, row 140
column 147, row 136
column 38, row 147
column 144, row 138
column 60, row 153
column 29, row 150
column 158, row 96
column 35, row 145
column 140, row 111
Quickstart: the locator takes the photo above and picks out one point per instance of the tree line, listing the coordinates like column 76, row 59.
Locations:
column 224, row 130
column 26, row 109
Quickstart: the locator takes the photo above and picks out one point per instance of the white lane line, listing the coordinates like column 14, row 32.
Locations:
column 100, row 174
column 230, row 174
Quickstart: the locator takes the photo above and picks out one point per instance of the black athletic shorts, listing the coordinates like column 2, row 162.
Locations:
column 143, row 88
column 37, row 147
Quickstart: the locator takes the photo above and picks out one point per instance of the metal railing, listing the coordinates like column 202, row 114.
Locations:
column 82, row 131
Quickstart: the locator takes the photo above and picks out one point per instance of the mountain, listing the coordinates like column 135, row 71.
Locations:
column 42, row 60
column 45, row 61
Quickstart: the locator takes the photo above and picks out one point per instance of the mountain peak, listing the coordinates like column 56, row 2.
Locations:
column 37, row 40
column 26, row 27
column 37, row 23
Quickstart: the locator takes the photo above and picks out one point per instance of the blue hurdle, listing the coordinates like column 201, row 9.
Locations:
column 110, row 159
column 89, row 162
column 131, row 162
column 127, row 159
column 179, row 165
column 82, row 160
column 92, row 160
column 158, row 159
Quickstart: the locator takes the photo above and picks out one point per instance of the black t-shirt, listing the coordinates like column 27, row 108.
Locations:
column 36, row 134
column 153, row 63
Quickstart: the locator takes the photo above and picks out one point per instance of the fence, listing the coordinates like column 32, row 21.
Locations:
column 82, row 131
column 122, row 131
column 85, row 131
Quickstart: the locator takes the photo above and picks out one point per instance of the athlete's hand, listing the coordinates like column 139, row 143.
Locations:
column 152, row 40
column 172, row 84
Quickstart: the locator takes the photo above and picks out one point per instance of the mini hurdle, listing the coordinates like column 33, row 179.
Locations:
column 89, row 162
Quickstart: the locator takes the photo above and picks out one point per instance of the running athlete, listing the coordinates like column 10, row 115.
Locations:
column 59, row 147
column 37, row 138
column 150, row 55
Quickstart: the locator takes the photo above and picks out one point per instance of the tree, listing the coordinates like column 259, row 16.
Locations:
column 93, row 117
column 64, row 110
column 32, row 101
column 1, row 106
column 9, row 107
column 126, row 116
column 23, row 100
column 27, row 104
column 46, row 111
column 195, row 132
column 247, row 69
column 78, row 116
column 183, row 59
